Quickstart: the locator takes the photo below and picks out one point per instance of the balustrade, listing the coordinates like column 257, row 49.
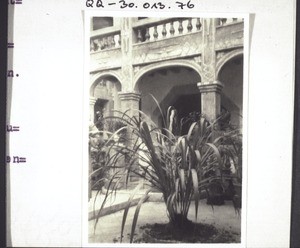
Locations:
column 167, row 28
column 224, row 21
column 104, row 42
column 151, row 29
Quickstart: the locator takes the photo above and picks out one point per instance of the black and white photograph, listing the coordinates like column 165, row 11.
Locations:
column 166, row 116
column 150, row 124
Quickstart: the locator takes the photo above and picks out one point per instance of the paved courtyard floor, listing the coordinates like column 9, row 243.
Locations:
column 109, row 226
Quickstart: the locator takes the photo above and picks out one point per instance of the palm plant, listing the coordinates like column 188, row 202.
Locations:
column 181, row 167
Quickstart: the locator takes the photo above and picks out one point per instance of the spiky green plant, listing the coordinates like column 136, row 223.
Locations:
column 178, row 166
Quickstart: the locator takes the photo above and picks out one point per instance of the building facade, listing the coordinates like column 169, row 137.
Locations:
column 193, row 64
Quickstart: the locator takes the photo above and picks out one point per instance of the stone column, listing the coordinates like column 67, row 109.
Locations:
column 209, row 88
column 210, row 99
column 91, row 24
column 92, row 105
column 130, row 101
column 91, row 128
column 208, row 50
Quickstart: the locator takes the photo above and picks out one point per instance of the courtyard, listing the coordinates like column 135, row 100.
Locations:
column 108, row 229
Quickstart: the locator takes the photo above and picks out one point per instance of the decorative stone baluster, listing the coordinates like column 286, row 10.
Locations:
column 119, row 39
column 198, row 24
column 164, row 31
column 139, row 36
column 106, row 42
column 113, row 44
column 102, row 44
column 147, row 35
column 155, row 34
column 180, row 28
column 223, row 21
column 190, row 26
column 92, row 46
column 172, row 30
column 109, row 42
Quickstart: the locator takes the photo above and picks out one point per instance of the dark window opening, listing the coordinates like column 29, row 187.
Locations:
column 102, row 22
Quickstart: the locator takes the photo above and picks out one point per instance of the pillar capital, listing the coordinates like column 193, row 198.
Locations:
column 130, row 102
column 215, row 86
column 130, row 96
column 210, row 98
column 92, row 100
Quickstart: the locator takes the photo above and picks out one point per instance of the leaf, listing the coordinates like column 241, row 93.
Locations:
column 182, row 179
column 183, row 147
column 176, row 186
column 136, row 214
column 203, row 125
column 189, row 135
column 196, row 190
column 161, row 112
column 168, row 116
column 216, row 152
column 108, row 192
column 126, row 209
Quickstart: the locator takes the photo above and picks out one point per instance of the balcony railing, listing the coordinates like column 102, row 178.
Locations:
column 153, row 29
column 226, row 21
column 229, row 34
column 158, row 39
column 106, row 38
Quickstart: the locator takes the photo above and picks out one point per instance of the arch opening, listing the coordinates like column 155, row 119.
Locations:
column 231, row 75
column 171, row 86
column 105, row 92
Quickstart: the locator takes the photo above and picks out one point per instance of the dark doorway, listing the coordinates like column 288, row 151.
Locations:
column 188, row 110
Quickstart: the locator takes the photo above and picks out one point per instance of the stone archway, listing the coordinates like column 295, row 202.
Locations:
column 104, row 96
column 165, row 64
column 230, row 73
column 172, row 85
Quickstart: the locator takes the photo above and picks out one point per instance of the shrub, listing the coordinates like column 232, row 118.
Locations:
column 181, row 167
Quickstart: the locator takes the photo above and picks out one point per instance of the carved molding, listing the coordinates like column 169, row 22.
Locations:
column 208, row 53
column 229, row 43
column 106, row 59
column 198, row 59
column 129, row 96
column 159, row 65
column 205, row 87
column 224, row 57
column 230, row 36
column 181, row 46
column 220, row 55
column 96, row 77
column 208, row 71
